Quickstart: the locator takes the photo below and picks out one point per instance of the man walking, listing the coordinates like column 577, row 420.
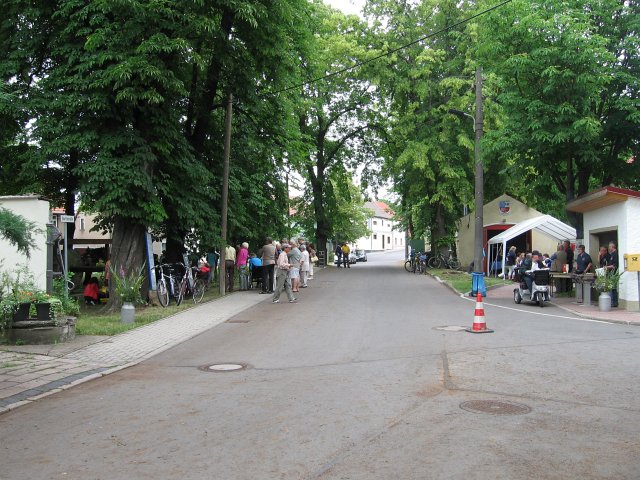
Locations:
column 282, row 275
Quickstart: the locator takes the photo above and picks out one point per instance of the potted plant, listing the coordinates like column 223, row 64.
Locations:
column 606, row 280
column 127, row 287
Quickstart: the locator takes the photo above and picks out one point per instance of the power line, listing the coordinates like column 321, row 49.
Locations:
column 378, row 57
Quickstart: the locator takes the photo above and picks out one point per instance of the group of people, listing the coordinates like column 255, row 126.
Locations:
column 564, row 260
column 561, row 261
column 285, row 266
column 342, row 255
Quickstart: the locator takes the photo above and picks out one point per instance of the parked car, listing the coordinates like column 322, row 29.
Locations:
column 361, row 256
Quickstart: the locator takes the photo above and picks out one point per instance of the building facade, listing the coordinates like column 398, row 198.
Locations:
column 384, row 233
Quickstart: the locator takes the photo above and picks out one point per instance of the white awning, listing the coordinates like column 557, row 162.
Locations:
column 546, row 224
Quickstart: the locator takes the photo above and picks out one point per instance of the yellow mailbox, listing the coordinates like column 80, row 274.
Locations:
column 632, row 262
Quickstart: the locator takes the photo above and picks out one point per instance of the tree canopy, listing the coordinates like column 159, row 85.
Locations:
column 119, row 106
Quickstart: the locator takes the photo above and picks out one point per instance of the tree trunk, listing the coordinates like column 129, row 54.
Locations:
column 127, row 253
column 440, row 232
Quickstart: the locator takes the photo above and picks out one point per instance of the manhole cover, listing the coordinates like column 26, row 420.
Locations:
column 495, row 407
column 223, row 367
column 450, row 328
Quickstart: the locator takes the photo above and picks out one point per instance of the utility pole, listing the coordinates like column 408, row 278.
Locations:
column 479, row 183
column 477, row 284
column 225, row 193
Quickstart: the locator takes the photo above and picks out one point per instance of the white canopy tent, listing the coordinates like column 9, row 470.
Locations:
column 546, row 224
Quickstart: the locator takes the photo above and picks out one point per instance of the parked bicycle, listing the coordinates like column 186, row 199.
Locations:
column 168, row 284
column 440, row 261
column 193, row 284
column 417, row 263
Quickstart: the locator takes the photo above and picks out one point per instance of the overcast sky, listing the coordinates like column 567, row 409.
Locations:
column 347, row 6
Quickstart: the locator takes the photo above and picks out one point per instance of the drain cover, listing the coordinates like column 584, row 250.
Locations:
column 223, row 367
column 495, row 407
column 450, row 328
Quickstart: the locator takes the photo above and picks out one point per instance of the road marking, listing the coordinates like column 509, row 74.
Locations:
column 539, row 313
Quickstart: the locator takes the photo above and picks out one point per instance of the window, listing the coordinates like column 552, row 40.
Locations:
column 388, row 239
column 375, row 222
column 375, row 237
column 82, row 224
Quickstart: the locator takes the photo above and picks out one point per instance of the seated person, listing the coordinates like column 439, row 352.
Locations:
column 536, row 264
column 92, row 291
column 254, row 261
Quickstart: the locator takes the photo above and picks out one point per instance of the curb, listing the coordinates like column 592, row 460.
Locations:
column 578, row 314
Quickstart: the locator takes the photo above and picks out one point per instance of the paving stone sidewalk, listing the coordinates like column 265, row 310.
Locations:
column 569, row 304
column 29, row 373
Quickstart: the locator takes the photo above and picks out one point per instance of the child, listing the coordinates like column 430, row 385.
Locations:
column 92, row 291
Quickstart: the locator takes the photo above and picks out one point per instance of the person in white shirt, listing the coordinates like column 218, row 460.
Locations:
column 304, row 266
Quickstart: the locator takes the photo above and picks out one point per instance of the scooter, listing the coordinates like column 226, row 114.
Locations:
column 539, row 288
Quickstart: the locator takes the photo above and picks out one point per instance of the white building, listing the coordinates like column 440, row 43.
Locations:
column 383, row 230
column 613, row 214
column 34, row 209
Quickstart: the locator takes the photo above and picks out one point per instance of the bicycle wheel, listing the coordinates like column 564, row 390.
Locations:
column 454, row 264
column 434, row 262
column 198, row 290
column 182, row 289
column 163, row 292
column 408, row 266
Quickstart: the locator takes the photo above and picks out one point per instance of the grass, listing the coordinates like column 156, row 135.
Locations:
column 461, row 281
column 93, row 320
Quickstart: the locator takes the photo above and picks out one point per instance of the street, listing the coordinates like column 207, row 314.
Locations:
column 357, row 380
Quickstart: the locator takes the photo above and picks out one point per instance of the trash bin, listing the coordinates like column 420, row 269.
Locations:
column 477, row 284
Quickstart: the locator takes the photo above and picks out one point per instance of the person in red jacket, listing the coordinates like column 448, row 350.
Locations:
column 92, row 292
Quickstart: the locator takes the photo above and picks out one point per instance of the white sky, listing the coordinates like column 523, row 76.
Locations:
column 347, row 6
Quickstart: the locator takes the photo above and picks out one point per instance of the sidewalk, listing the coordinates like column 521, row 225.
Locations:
column 569, row 304
column 31, row 372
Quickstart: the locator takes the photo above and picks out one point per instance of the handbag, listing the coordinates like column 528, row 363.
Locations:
column 600, row 272
column 314, row 258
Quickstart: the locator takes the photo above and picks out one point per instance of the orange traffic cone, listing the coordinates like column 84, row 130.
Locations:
column 479, row 325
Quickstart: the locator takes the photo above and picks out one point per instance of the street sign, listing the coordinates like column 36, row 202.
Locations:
column 632, row 262
column 67, row 219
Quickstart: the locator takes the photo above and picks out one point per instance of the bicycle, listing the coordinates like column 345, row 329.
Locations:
column 439, row 261
column 410, row 264
column 417, row 263
column 167, row 286
column 193, row 285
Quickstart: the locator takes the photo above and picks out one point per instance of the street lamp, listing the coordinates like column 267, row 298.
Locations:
column 478, row 274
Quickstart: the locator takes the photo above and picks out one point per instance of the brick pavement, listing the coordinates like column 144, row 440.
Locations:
column 569, row 304
column 27, row 377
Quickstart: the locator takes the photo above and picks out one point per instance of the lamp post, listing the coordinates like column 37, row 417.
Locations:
column 478, row 277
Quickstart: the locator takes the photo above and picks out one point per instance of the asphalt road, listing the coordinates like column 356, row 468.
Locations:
column 354, row 382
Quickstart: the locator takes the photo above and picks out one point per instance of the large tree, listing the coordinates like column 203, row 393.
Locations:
column 339, row 117
column 428, row 153
column 568, row 92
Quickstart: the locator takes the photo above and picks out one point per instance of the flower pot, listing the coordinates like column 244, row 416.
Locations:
column 22, row 313
column 43, row 311
column 604, row 301
column 127, row 313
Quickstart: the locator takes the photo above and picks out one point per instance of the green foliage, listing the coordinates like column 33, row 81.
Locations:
column 608, row 280
column 128, row 285
column 18, row 231
column 429, row 153
column 565, row 76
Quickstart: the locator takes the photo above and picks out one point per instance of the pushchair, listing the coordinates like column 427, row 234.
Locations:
column 539, row 292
